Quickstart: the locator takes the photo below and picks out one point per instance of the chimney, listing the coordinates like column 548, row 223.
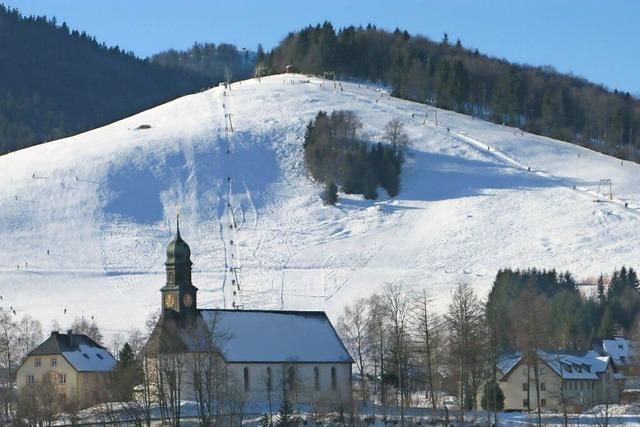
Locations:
column 54, row 333
column 70, row 335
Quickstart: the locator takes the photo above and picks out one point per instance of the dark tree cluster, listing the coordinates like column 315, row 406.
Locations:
column 536, row 99
column 565, row 317
column 217, row 63
column 57, row 82
column 338, row 156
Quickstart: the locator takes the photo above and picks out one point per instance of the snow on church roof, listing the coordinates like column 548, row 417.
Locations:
column 277, row 336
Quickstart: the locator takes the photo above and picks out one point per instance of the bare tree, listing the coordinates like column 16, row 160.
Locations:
column 352, row 327
column 208, row 372
column 428, row 329
column 376, row 337
column 530, row 311
column 464, row 319
column 396, row 303
column 394, row 134
column 9, row 354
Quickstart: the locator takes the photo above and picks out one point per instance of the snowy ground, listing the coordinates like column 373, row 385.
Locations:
column 84, row 220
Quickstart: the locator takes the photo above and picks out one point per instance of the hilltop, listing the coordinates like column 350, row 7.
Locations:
column 85, row 220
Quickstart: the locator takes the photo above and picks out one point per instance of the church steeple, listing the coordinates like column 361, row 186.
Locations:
column 178, row 294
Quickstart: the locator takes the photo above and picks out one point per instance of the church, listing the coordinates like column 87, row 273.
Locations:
column 255, row 357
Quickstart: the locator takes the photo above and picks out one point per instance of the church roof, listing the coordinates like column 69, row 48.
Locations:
column 263, row 336
column 252, row 336
column 83, row 353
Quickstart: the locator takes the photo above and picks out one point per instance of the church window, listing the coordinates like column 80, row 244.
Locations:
column 246, row 378
column 333, row 378
column 316, row 378
column 291, row 373
column 269, row 383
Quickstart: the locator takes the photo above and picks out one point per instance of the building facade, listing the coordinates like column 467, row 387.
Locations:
column 574, row 382
column 262, row 356
column 78, row 365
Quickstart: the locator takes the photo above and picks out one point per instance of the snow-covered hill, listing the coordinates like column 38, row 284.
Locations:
column 84, row 220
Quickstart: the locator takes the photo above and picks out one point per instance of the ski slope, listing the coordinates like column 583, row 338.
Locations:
column 84, row 220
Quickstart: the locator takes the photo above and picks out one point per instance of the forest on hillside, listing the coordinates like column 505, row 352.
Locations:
column 218, row 63
column 57, row 82
column 448, row 75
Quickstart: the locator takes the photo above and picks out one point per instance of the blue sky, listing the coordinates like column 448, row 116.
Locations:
column 596, row 39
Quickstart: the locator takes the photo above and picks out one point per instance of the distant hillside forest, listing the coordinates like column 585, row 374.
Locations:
column 448, row 75
column 56, row 82
column 218, row 63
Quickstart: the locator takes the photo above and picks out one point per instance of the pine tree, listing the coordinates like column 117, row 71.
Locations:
column 492, row 393
column 601, row 291
column 330, row 193
column 286, row 415
column 606, row 329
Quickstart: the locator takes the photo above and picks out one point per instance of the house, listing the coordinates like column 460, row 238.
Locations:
column 620, row 349
column 79, row 366
column 574, row 381
column 261, row 355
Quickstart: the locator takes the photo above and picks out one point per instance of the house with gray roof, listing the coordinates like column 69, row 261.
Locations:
column 574, row 381
column 78, row 365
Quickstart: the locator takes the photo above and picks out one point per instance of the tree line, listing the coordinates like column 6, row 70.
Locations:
column 408, row 353
column 337, row 155
column 58, row 82
column 217, row 63
column 537, row 99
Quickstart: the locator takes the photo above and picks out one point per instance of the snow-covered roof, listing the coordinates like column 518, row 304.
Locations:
column 619, row 349
column 507, row 361
column 276, row 336
column 83, row 353
column 569, row 366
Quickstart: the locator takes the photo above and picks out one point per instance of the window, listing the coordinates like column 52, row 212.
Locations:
column 38, row 361
column 246, row 378
column 543, row 387
column 31, row 379
column 525, row 403
column 99, row 356
column 54, row 361
column 581, row 386
column 316, row 379
column 62, row 378
column 524, row 371
column 291, row 373
column 525, row 386
column 333, row 378
column 543, row 402
column 269, row 382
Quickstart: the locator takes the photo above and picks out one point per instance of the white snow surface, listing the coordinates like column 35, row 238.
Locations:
column 268, row 336
column 84, row 220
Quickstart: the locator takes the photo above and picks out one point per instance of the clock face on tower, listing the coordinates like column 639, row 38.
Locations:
column 169, row 300
column 187, row 300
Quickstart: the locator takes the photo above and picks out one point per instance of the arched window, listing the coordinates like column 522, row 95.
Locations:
column 269, row 383
column 333, row 378
column 246, row 378
column 316, row 378
column 291, row 373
